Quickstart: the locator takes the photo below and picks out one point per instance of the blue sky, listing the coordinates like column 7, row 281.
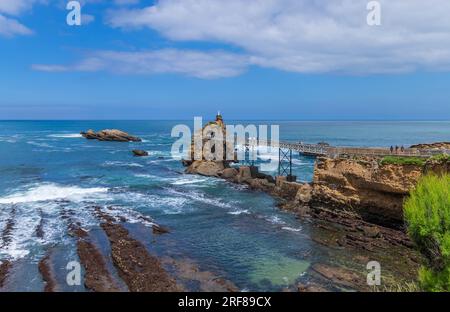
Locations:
column 258, row 59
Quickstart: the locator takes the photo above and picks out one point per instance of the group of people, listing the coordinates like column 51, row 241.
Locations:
column 397, row 149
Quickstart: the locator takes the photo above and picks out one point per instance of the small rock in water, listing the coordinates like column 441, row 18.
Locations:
column 157, row 229
column 140, row 153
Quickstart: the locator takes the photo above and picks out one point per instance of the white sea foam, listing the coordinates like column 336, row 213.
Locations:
column 7, row 140
column 23, row 240
column 165, row 203
column 121, row 164
column 21, row 235
column 39, row 144
column 66, row 136
column 130, row 215
column 287, row 228
column 46, row 192
column 275, row 220
column 199, row 197
column 147, row 176
column 185, row 181
column 239, row 212
column 301, row 163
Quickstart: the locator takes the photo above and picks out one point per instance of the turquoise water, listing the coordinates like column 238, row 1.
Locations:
column 224, row 228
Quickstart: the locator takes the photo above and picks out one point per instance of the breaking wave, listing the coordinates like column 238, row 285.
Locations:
column 47, row 192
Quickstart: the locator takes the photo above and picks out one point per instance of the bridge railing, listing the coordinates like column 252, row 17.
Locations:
column 333, row 151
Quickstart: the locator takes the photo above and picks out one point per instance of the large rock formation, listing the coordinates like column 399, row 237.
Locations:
column 207, row 166
column 367, row 188
column 110, row 135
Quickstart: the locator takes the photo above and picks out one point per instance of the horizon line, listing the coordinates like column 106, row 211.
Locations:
column 252, row 119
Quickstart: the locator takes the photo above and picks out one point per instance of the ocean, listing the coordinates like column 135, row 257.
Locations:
column 235, row 233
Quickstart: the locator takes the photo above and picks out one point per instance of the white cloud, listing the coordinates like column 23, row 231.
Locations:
column 125, row 2
column 205, row 65
column 10, row 27
column 86, row 19
column 15, row 7
column 308, row 36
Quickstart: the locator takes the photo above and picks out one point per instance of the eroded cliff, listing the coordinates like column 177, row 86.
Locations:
column 366, row 187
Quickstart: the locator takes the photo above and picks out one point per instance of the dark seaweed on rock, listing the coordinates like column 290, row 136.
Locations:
column 141, row 271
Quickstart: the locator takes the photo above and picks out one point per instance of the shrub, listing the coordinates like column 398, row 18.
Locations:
column 398, row 160
column 427, row 213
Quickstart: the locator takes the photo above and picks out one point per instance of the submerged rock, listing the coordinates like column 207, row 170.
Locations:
column 141, row 271
column 140, row 153
column 341, row 276
column 48, row 276
column 5, row 266
column 110, row 135
column 311, row 287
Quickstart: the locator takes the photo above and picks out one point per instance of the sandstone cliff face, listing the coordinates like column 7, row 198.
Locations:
column 374, row 192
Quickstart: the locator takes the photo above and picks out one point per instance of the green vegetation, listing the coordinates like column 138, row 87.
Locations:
column 398, row 160
column 400, row 287
column 441, row 157
column 427, row 213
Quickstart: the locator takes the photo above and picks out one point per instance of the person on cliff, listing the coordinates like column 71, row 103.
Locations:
column 396, row 149
column 392, row 149
column 402, row 149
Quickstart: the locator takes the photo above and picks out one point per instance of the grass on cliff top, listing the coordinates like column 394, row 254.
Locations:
column 427, row 214
column 441, row 157
column 398, row 160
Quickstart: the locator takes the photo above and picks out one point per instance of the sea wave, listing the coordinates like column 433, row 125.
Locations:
column 184, row 181
column 239, row 212
column 121, row 164
column 167, row 204
column 147, row 176
column 66, row 136
column 48, row 192
column 130, row 215
column 199, row 197
column 23, row 239
column 287, row 228
column 275, row 220
column 40, row 144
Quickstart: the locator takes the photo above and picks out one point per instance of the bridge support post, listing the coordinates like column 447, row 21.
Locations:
column 285, row 164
